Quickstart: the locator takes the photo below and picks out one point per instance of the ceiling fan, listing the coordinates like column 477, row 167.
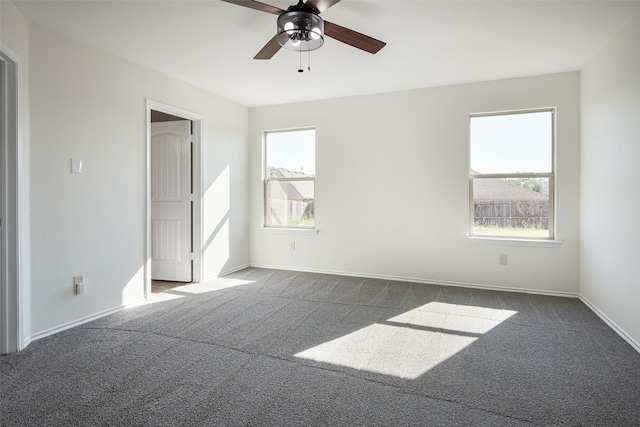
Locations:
column 301, row 29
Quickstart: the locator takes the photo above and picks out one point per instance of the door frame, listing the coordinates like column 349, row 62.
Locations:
column 198, row 179
column 11, row 324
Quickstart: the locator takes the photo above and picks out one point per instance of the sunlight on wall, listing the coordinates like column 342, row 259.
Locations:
column 217, row 205
column 217, row 201
column 218, row 249
column 408, row 345
column 134, row 289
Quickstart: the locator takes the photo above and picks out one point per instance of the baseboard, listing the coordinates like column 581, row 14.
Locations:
column 588, row 303
column 25, row 343
column 424, row 281
column 96, row 316
column 613, row 325
column 80, row 321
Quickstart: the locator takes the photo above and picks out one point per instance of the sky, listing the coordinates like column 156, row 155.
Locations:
column 293, row 150
column 511, row 143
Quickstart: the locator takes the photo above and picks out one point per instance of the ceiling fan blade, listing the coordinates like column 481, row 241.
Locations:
column 251, row 4
column 318, row 6
column 353, row 38
column 271, row 48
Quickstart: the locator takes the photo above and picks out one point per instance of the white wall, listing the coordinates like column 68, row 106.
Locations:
column 610, row 176
column 90, row 105
column 14, row 33
column 392, row 186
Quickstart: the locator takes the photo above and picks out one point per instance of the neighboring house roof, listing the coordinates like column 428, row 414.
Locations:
column 299, row 190
column 495, row 189
column 287, row 173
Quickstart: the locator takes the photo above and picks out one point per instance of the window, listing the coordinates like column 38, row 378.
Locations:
column 511, row 174
column 289, row 178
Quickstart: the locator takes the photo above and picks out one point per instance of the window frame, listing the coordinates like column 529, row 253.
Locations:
column 266, row 180
column 551, row 176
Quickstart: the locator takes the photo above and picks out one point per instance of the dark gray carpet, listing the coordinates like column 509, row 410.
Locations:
column 265, row 347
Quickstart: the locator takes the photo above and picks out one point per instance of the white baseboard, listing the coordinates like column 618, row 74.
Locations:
column 25, row 343
column 613, row 325
column 424, row 281
column 92, row 317
column 79, row 322
column 588, row 303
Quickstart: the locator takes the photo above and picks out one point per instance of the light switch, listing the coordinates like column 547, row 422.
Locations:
column 76, row 166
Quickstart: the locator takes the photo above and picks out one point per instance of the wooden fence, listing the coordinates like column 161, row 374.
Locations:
column 508, row 213
column 285, row 212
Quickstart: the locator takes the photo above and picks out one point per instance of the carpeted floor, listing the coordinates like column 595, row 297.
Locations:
column 268, row 348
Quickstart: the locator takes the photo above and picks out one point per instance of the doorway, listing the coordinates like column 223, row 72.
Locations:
column 10, row 310
column 174, row 193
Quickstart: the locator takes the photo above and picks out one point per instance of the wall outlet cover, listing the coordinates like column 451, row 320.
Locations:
column 76, row 166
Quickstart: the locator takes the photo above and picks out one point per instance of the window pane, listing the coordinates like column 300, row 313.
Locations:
column 292, row 151
column 512, row 143
column 290, row 203
column 511, row 207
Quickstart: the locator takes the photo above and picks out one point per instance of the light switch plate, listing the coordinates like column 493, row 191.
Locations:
column 76, row 166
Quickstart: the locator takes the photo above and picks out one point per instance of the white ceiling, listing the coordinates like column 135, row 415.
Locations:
column 211, row 44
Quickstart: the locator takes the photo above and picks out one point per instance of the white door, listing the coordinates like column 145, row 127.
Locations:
column 171, row 201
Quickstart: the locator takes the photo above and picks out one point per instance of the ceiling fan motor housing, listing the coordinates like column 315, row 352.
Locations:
column 300, row 30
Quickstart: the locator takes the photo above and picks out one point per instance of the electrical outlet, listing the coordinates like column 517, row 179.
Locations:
column 503, row 259
column 292, row 245
column 78, row 284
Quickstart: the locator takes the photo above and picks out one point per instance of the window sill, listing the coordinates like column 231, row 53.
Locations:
column 276, row 230
column 515, row 242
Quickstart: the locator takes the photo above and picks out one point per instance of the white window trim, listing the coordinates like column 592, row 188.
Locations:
column 265, row 187
column 291, row 230
column 518, row 240
column 514, row 241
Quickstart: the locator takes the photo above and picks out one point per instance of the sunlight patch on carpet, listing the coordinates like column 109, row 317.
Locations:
column 211, row 285
column 162, row 297
column 454, row 317
column 410, row 344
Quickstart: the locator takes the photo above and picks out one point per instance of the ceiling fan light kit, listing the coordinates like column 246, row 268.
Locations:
column 301, row 31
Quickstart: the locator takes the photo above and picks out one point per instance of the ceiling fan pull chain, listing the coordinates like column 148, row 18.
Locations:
column 300, row 70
